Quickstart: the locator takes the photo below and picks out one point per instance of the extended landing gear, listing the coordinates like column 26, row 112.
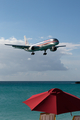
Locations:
column 45, row 53
column 32, row 53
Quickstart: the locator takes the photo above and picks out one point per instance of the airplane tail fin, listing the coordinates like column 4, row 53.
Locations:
column 26, row 41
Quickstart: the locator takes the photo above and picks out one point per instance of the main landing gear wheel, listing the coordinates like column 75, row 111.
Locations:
column 44, row 53
column 32, row 53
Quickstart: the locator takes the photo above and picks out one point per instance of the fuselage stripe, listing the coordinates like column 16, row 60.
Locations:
column 45, row 43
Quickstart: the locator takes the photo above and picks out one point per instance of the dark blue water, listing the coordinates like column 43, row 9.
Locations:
column 12, row 94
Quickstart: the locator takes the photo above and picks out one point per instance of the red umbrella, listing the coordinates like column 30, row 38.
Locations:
column 54, row 101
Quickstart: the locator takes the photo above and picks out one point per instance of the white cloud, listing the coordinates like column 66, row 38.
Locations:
column 11, row 40
column 69, row 47
column 29, row 59
column 19, row 62
column 16, row 60
column 49, row 36
column 29, row 38
column 41, row 37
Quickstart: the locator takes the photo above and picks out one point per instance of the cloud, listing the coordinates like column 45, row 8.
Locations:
column 41, row 37
column 29, row 38
column 69, row 47
column 15, row 61
column 29, row 59
column 49, row 36
column 11, row 40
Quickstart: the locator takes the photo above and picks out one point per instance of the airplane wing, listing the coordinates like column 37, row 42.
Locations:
column 61, row 46
column 18, row 46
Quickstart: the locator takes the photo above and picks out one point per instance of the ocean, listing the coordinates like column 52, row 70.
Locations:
column 12, row 94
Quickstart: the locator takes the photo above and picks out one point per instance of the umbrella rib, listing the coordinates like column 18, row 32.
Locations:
column 54, row 101
column 40, row 102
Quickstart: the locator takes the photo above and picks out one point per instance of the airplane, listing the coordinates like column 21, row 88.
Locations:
column 41, row 46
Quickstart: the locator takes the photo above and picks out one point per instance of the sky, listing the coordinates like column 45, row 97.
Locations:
column 40, row 20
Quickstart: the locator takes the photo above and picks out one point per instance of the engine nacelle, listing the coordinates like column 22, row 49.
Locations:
column 53, row 49
column 33, row 48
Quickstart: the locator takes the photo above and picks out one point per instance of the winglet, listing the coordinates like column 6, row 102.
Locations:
column 26, row 41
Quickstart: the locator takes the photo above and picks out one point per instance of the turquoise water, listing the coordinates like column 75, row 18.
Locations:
column 12, row 94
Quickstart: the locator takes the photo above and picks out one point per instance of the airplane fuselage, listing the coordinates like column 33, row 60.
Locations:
column 43, row 45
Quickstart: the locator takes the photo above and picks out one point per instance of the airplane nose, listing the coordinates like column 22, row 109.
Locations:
column 56, row 40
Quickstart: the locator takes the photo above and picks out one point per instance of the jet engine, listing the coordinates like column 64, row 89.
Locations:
column 53, row 48
column 33, row 47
